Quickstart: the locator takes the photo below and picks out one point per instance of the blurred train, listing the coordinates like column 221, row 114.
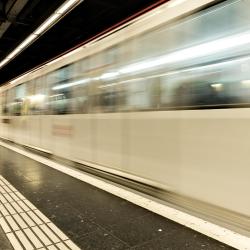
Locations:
column 163, row 101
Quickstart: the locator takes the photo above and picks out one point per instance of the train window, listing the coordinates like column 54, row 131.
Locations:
column 108, row 98
column 4, row 103
column 97, row 64
column 10, row 101
column 168, row 91
column 60, row 98
column 212, row 85
column 1, row 103
column 18, row 103
column 35, row 97
column 108, row 78
column 80, row 87
column 139, row 94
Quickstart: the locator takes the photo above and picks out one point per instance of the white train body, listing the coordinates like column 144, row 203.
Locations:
column 129, row 104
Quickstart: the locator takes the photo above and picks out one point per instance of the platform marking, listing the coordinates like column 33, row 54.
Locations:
column 212, row 230
column 25, row 226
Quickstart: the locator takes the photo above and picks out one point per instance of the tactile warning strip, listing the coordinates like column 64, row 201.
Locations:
column 25, row 226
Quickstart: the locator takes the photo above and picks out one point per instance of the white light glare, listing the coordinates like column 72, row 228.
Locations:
column 109, row 75
column 201, row 50
column 246, row 83
column 67, row 85
column 217, row 86
column 174, row 3
column 47, row 23
column 36, row 98
column 66, row 6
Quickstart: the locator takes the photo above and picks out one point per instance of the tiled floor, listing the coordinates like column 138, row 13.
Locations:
column 4, row 243
column 92, row 218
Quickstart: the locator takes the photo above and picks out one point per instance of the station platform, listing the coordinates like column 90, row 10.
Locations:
column 42, row 208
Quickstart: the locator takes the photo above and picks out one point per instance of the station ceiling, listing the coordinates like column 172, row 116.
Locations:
column 19, row 18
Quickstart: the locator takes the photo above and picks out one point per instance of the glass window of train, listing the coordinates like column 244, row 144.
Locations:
column 10, row 100
column 227, row 18
column 30, row 105
column 108, row 98
column 168, row 88
column 109, row 79
column 1, row 103
column 234, row 87
column 61, row 98
column 94, row 97
column 139, row 94
column 47, row 93
column 50, row 80
column 19, row 99
column 80, row 102
column 195, row 88
column 97, row 63
column 80, row 86
column 4, row 103
column 39, row 97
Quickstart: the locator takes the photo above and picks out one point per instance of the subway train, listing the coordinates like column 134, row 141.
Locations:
column 162, row 102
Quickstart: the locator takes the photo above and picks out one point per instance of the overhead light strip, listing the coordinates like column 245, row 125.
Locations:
column 45, row 26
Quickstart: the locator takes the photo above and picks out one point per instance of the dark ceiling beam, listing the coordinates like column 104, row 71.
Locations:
column 3, row 15
column 14, row 10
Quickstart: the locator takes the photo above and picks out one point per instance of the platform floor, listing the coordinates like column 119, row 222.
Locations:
column 93, row 218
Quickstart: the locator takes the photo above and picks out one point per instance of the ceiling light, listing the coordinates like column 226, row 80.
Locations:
column 66, row 6
column 54, row 18
column 46, row 24
column 27, row 41
column 13, row 53
column 4, row 62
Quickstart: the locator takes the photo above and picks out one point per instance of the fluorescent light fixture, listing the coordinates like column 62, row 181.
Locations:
column 66, row 6
column 4, row 62
column 47, row 23
column 13, row 53
column 27, row 41
column 71, row 84
column 54, row 18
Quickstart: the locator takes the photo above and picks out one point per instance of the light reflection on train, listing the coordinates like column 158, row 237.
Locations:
column 168, row 107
